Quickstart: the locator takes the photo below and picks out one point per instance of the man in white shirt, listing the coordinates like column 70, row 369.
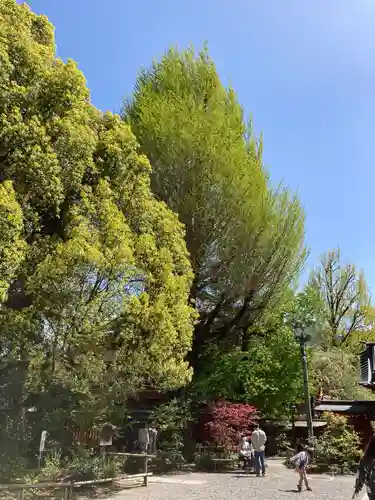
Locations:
column 258, row 440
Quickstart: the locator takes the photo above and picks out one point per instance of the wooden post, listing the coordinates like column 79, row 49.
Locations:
column 22, row 493
column 145, row 481
column 65, row 492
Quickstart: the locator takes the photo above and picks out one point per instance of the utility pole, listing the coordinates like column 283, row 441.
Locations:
column 310, row 428
column 302, row 338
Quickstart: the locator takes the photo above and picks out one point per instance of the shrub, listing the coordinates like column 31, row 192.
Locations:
column 81, row 466
column 15, row 437
column 339, row 446
column 168, row 460
column 133, row 466
column 112, row 467
column 84, row 467
column 171, row 419
column 204, row 462
column 227, row 421
column 52, row 468
column 283, row 444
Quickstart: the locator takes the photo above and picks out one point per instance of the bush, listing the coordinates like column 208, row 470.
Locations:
column 52, row 469
column 133, row 466
column 227, row 422
column 283, row 445
column 171, row 419
column 204, row 462
column 85, row 467
column 338, row 449
column 112, row 467
column 82, row 466
column 15, row 438
column 168, row 460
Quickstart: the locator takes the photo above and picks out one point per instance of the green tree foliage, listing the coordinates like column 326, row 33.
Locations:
column 12, row 246
column 344, row 294
column 334, row 374
column 364, row 334
column 90, row 260
column 339, row 446
column 172, row 419
column 306, row 308
column 268, row 374
column 344, row 319
column 245, row 239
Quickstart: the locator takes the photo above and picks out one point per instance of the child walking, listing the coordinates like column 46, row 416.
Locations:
column 301, row 461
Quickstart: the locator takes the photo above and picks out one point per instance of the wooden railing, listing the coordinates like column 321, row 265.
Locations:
column 143, row 456
column 68, row 487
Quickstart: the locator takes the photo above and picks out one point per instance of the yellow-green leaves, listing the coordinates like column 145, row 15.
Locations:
column 345, row 299
column 47, row 126
column 90, row 259
column 246, row 241
column 12, row 246
column 29, row 158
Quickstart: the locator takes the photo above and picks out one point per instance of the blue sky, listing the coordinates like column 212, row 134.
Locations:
column 304, row 69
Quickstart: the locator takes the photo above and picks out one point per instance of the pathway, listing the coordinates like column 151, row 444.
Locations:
column 280, row 484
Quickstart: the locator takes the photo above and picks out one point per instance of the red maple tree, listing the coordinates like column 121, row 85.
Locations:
column 227, row 421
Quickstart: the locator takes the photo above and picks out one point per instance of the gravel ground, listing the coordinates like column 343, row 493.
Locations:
column 279, row 484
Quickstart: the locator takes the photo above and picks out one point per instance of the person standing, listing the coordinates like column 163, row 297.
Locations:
column 366, row 471
column 301, row 461
column 143, row 439
column 258, row 440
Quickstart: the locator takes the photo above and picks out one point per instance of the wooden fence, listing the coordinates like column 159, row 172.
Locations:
column 68, row 487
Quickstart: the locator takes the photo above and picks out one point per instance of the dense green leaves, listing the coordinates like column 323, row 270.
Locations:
column 91, row 262
column 344, row 320
column 245, row 240
column 96, row 269
column 267, row 375
column 12, row 246
column 338, row 448
column 334, row 374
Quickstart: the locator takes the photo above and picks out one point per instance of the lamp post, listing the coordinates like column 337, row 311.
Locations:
column 293, row 408
column 302, row 338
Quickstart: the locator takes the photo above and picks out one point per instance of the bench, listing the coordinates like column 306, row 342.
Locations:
column 222, row 462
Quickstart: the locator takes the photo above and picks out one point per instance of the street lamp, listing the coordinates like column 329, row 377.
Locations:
column 302, row 337
column 293, row 409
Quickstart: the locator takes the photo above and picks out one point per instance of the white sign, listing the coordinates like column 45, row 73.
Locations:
column 107, row 441
column 42, row 441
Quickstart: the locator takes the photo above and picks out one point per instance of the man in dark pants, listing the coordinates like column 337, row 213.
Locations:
column 258, row 440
